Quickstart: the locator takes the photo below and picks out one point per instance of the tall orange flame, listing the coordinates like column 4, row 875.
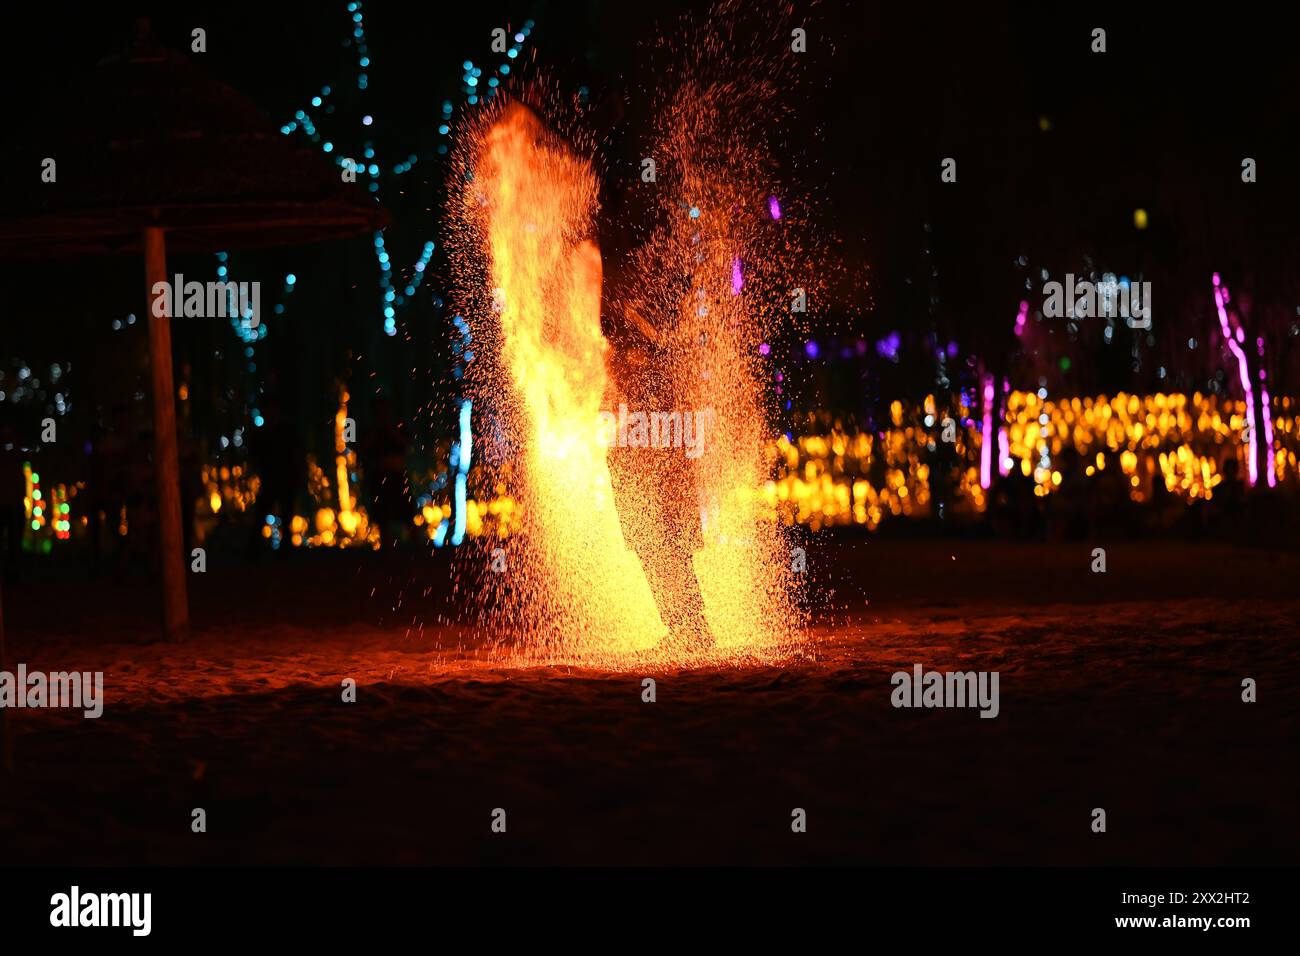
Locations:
column 573, row 584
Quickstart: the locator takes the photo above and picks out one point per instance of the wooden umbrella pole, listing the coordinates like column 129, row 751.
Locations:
column 6, row 740
column 176, row 615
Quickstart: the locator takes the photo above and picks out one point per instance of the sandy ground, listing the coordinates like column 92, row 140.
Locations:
column 1119, row 691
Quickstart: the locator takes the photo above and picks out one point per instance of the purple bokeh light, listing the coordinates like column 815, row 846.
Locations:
column 889, row 345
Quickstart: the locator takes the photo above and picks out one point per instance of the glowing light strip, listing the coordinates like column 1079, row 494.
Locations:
column 391, row 300
column 1021, row 317
column 1268, row 437
column 464, row 447
column 1243, row 370
column 1268, row 416
column 1004, row 439
column 986, row 446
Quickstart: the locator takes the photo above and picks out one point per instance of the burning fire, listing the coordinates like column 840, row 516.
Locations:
column 570, row 584
column 574, row 581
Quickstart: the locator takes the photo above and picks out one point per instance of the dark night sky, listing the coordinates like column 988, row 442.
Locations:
column 1160, row 121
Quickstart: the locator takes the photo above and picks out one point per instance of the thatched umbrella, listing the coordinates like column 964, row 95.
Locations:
column 163, row 156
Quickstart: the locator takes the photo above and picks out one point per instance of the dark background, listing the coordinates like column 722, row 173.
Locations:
column 1160, row 121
